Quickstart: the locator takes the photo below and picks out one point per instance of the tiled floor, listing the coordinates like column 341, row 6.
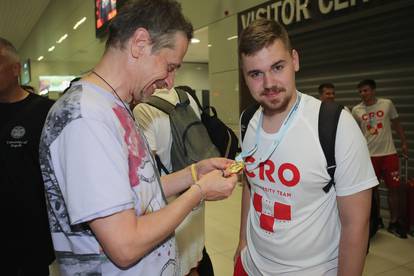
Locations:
column 389, row 255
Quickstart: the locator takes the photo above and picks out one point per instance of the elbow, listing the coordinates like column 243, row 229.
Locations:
column 125, row 257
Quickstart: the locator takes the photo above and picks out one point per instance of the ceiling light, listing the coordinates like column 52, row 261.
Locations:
column 195, row 40
column 209, row 45
column 79, row 23
column 40, row 58
column 63, row 37
column 51, row 49
column 232, row 37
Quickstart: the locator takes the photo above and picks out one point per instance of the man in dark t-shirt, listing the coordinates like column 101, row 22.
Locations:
column 26, row 237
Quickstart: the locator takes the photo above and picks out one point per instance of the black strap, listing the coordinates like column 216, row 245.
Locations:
column 160, row 165
column 246, row 116
column 329, row 113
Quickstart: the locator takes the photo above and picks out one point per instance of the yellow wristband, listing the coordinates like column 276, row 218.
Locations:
column 194, row 172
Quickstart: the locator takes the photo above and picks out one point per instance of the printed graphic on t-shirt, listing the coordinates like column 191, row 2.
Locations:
column 136, row 148
column 269, row 210
column 373, row 121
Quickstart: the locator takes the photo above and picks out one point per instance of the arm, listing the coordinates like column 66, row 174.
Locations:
column 245, row 207
column 396, row 126
column 126, row 238
column 354, row 212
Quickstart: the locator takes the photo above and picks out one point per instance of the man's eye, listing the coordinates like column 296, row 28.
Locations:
column 171, row 68
column 255, row 75
column 277, row 68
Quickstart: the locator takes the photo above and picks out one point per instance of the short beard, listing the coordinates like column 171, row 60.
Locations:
column 275, row 106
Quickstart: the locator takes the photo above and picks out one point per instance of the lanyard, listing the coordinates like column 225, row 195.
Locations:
column 278, row 137
column 372, row 121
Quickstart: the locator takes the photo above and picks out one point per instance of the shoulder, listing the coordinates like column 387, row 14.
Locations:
column 357, row 107
column 384, row 101
column 310, row 101
column 310, row 107
column 41, row 100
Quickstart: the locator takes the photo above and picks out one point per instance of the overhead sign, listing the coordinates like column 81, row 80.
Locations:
column 298, row 12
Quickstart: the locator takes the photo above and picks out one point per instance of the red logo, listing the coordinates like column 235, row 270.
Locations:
column 267, row 172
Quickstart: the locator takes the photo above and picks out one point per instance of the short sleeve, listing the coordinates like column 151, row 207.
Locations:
column 93, row 170
column 354, row 171
column 393, row 111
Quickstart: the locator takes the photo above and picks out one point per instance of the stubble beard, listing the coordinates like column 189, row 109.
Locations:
column 277, row 105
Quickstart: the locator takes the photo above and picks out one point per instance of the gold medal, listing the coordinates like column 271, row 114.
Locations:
column 372, row 130
column 236, row 167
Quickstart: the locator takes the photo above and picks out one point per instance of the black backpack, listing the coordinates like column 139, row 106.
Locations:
column 329, row 113
column 220, row 134
column 190, row 140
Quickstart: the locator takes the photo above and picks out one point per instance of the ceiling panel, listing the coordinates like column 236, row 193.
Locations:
column 18, row 17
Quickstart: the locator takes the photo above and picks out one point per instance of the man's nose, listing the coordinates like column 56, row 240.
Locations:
column 169, row 81
column 268, row 80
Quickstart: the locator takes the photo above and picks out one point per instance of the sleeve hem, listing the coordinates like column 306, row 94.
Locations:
column 356, row 189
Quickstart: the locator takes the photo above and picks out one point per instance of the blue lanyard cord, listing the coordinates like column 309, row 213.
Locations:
column 372, row 121
column 278, row 137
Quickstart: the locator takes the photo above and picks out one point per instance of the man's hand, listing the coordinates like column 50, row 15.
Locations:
column 242, row 244
column 207, row 165
column 215, row 186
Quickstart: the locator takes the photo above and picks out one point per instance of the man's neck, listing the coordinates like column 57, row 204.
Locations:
column 371, row 102
column 13, row 95
column 272, row 121
column 106, row 75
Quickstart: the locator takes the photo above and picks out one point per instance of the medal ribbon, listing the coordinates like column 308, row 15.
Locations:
column 278, row 137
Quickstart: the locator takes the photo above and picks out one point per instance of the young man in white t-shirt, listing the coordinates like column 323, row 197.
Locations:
column 377, row 117
column 289, row 224
column 106, row 202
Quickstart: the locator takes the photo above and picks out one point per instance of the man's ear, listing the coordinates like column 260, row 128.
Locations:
column 139, row 41
column 295, row 57
column 16, row 67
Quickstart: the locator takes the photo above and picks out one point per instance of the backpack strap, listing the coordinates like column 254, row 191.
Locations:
column 191, row 93
column 182, row 97
column 246, row 116
column 329, row 113
column 161, row 104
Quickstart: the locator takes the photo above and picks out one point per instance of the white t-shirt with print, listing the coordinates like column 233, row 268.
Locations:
column 95, row 162
column 293, row 226
column 156, row 126
column 375, row 123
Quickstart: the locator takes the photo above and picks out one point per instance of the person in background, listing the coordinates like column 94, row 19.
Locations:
column 190, row 233
column 289, row 224
column 107, row 204
column 26, row 238
column 327, row 93
column 377, row 117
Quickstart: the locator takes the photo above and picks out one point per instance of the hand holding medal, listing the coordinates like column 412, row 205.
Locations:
column 235, row 167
